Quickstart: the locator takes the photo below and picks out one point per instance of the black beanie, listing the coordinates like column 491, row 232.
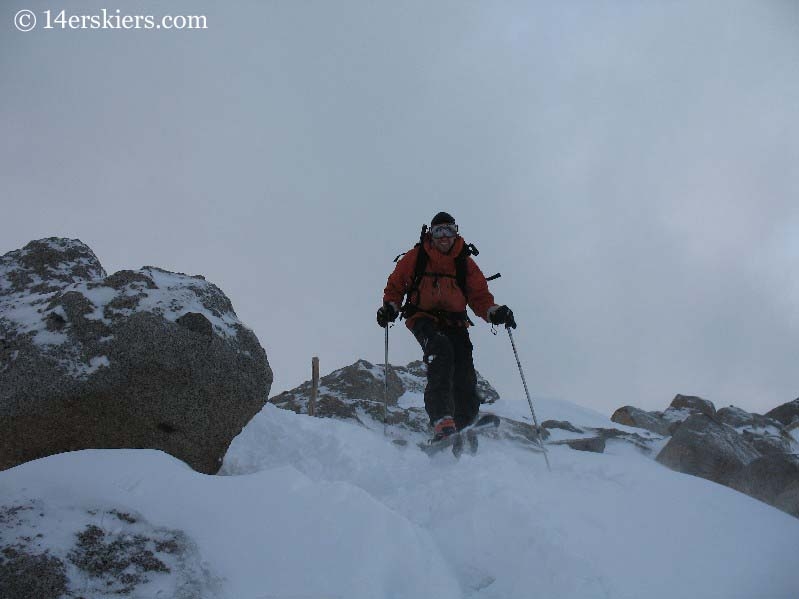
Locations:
column 442, row 218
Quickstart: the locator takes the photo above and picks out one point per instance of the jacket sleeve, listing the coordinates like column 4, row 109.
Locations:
column 480, row 298
column 400, row 280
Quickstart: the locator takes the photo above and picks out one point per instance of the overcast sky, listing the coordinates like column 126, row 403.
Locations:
column 631, row 168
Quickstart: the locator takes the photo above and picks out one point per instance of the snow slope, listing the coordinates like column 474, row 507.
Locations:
column 320, row 508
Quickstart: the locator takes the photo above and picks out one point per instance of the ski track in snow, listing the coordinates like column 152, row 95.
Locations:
column 321, row 508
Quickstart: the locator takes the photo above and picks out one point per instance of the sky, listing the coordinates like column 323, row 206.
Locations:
column 629, row 167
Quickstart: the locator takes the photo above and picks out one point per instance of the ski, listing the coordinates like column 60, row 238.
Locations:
column 463, row 440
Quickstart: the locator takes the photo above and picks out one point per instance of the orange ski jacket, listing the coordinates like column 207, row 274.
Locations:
column 438, row 289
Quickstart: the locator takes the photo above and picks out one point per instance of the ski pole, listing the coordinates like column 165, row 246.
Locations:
column 529, row 401
column 385, row 386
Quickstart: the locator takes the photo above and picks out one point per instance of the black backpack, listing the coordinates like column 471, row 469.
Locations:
column 419, row 271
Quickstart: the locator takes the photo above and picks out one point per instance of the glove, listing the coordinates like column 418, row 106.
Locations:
column 502, row 315
column 386, row 313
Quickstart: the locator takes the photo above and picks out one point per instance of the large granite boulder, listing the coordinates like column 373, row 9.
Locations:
column 773, row 479
column 736, row 417
column 665, row 423
column 729, row 446
column 693, row 404
column 139, row 359
column 635, row 417
column 704, row 447
column 787, row 413
column 767, row 435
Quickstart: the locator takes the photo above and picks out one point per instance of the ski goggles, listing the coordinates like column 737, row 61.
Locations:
column 445, row 230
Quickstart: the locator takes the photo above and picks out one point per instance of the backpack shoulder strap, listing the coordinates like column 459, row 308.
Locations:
column 421, row 259
column 418, row 271
column 460, row 265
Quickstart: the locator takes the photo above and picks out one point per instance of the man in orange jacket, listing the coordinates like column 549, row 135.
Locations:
column 435, row 313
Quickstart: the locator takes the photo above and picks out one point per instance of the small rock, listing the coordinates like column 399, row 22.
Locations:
column 561, row 424
column 594, row 444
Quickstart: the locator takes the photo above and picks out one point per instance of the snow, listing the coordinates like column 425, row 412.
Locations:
column 760, row 430
column 45, row 337
column 375, row 370
column 24, row 310
column 276, row 532
column 99, row 296
column 410, row 399
column 175, row 289
column 554, row 409
column 312, row 507
column 176, row 295
column 52, row 528
column 96, row 363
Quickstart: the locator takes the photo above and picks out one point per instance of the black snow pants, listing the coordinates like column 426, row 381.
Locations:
column 451, row 380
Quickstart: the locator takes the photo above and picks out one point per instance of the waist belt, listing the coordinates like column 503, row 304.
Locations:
column 443, row 316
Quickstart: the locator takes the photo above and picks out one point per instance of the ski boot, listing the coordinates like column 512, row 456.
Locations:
column 443, row 428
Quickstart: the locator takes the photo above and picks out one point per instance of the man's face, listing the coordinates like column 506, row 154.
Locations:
column 444, row 236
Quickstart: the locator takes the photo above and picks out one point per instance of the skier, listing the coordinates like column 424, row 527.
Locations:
column 435, row 312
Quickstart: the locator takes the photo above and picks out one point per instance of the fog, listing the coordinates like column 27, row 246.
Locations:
column 629, row 168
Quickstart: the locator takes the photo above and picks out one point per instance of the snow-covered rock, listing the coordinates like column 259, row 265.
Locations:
column 651, row 421
column 787, row 413
column 357, row 392
column 720, row 445
column 276, row 532
column 693, row 404
column 55, row 551
column 665, row 423
column 704, row 447
column 145, row 358
column 774, row 479
column 737, row 417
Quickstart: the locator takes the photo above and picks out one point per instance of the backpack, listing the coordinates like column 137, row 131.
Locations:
column 407, row 309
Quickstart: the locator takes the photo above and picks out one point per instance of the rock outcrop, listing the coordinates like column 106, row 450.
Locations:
column 704, row 447
column 773, row 479
column 755, row 454
column 787, row 413
column 50, row 551
column 664, row 423
column 693, row 404
column 356, row 393
column 635, row 417
column 139, row 359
